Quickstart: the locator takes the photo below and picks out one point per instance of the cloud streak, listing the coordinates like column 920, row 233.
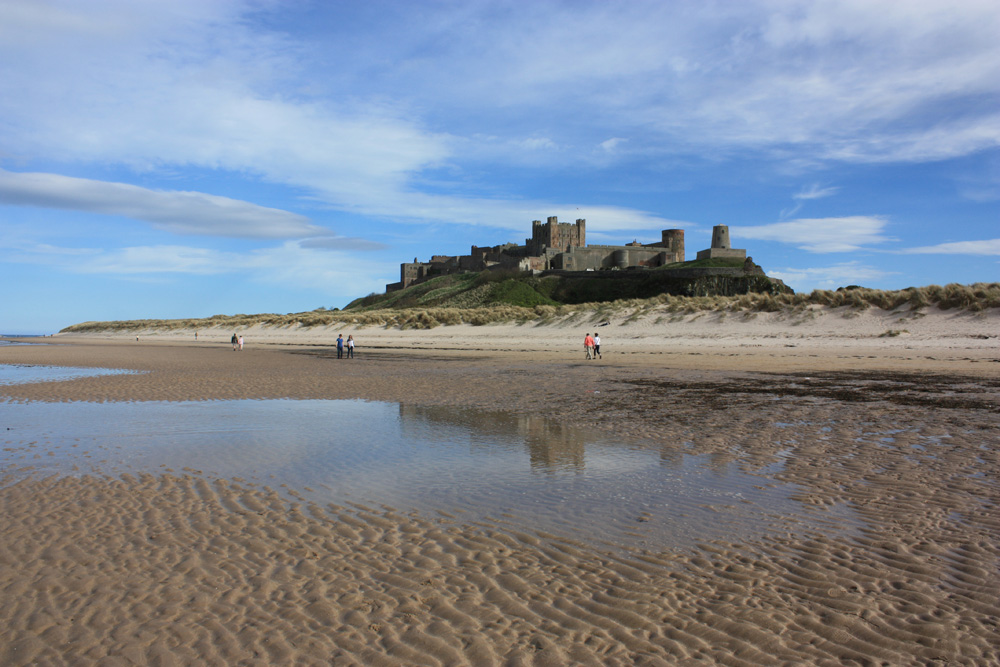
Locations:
column 176, row 212
column 987, row 247
column 829, row 277
column 293, row 264
column 820, row 235
column 815, row 191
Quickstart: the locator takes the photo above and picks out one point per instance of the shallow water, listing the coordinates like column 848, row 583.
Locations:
column 529, row 472
column 26, row 373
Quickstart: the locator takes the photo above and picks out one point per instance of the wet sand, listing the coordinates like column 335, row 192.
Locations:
column 181, row 569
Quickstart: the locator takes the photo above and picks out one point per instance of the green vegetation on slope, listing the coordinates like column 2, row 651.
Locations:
column 465, row 290
column 524, row 290
column 717, row 263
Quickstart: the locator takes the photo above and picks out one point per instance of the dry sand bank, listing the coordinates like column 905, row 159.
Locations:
column 900, row 435
column 930, row 339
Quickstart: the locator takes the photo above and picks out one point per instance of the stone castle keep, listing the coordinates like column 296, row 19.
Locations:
column 562, row 246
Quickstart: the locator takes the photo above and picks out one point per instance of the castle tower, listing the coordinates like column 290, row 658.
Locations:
column 673, row 240
column 720, row 246
column 557, row 235
column 720, row 237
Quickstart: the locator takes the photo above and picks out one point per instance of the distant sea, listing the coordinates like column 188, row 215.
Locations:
column 3, row 338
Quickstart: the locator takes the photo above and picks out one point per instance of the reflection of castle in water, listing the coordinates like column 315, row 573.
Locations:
column 551, row 445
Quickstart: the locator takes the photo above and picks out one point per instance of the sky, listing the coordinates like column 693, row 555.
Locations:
column 188, row 158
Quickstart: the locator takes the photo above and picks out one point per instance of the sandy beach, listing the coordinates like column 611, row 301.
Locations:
column 886, row 425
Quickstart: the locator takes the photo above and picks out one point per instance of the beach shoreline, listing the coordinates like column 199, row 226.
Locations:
column 900, row 431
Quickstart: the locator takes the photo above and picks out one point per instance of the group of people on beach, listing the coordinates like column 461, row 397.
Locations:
column 592, row 344
column 345, row 348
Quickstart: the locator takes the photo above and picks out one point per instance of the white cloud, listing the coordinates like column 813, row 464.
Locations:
column 612, row 144
column 145, row 260
column 539, row 144
column 152, row 85
column 820, row 235
column 815, row 191
column 176, row 212
column 291, row 264
column 986, row 247
column 340, row 243
column 517, row 215
column 356, row 120
column 829, row 277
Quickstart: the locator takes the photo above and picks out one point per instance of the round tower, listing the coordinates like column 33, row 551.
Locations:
column 720, row 237
column 673, row 240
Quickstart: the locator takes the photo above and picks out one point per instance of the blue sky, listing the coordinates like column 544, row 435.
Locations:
column 196, row 157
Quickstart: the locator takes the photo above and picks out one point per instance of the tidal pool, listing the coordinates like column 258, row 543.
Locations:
column 27, row 373
column 529, row 472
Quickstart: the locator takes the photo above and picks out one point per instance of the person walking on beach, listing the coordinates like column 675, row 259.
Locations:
column 588, row 345
column 241, row 343
column 340, row 346
column 597, row 346
column 350, row 346
column 235, row 342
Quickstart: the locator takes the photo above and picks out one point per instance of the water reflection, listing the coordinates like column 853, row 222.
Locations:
column 474, row 464
column 551, row 446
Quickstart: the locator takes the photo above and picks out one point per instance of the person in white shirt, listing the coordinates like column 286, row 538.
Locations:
column 597, row 346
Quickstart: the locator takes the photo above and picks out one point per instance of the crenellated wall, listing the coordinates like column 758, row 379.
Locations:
column 553, row 245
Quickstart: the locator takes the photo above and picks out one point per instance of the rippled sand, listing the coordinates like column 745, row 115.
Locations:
column 900, row 467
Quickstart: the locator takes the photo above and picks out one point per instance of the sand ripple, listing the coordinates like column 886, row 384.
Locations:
column 176, row 570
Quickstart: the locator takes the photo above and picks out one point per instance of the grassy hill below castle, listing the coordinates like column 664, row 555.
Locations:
column 524, row 290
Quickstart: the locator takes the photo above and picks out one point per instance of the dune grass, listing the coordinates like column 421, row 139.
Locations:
column 977, row 297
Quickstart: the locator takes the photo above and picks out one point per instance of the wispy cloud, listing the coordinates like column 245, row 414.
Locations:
column 293, row 264
column 821, row 235
column 829, row 277
column 612, row 144
column 340, row 243
column 176, row 212
column 815, row 191
column 208, row 84
column 985, row 247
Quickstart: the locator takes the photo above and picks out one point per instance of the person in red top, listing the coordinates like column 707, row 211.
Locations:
column 588, row 344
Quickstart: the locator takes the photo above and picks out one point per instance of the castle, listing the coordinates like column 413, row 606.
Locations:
column 563, row 246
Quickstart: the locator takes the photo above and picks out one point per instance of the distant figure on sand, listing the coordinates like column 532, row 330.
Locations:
column 350, row 346
column 597, row 346
column 340, row 346
column 196, row 335
column 588, row 345
column 235, row 342
column 241, row 343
